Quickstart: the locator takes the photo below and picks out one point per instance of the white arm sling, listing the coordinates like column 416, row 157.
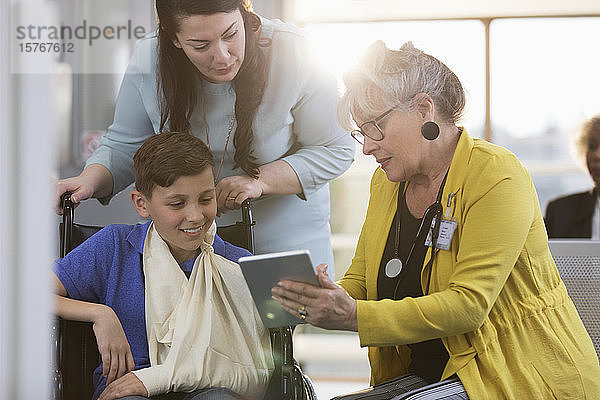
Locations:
column 202, row 332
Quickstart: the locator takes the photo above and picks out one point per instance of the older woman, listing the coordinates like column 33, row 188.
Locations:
column 578, row 215
column 452, row 274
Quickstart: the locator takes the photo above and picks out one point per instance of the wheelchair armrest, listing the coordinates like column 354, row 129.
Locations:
column 77, row 357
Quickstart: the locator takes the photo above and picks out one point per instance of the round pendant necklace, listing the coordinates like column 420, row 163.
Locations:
column 393, row 267
column 231, row 121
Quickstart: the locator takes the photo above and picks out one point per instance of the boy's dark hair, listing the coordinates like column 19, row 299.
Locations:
column 167, row 156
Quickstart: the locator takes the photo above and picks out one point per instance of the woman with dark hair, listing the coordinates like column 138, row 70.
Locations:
column 244, row 85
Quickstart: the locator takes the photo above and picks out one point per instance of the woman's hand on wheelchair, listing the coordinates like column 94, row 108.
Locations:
column 117, row 359
column 233, row 190
column 127, row 385
column 328, row 306
column 79, row 186
column 94, row 180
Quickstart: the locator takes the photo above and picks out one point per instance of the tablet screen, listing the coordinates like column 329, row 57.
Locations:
column 262, row 273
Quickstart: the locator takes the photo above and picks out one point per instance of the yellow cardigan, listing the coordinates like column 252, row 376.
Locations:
column 496, row 298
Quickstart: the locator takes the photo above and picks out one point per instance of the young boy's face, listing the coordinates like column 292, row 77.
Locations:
column 182, row 212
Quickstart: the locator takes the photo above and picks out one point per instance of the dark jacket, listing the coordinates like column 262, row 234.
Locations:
column 571, row 216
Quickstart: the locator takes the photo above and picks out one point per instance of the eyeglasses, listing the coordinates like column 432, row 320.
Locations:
column 371, row 129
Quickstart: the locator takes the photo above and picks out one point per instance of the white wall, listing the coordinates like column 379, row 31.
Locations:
column 26, row 232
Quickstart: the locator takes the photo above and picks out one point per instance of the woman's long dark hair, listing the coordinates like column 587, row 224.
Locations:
column 177, row 76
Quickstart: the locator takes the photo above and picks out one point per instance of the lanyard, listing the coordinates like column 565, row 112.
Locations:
column 433, row 211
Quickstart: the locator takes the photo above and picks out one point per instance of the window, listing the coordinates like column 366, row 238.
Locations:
column 545, row 81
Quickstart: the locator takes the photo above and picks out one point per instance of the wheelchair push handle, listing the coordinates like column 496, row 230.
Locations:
column 247, row 213
column 68, row 214
column 65, row 200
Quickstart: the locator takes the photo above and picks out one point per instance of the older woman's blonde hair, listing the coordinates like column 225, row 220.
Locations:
column 588, row 138
column 386, row 78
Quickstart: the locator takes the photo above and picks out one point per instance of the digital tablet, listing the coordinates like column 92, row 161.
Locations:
column 262, row 273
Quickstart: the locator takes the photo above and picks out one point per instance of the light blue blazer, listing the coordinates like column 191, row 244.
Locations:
column 296, row 122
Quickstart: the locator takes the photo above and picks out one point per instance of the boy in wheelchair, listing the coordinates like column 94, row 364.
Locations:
column 161, row 295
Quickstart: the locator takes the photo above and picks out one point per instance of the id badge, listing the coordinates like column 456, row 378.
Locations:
column 447, row 228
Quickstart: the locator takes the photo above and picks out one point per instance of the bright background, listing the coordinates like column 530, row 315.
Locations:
column 544, row 82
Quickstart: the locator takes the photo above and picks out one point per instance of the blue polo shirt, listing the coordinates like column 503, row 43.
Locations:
column 107, row 269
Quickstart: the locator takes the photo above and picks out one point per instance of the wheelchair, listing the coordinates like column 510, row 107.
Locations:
column 75, row 351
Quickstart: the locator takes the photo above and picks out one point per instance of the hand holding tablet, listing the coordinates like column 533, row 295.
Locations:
column 262, row 272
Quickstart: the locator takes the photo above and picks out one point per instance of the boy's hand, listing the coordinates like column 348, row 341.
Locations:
column 233, row 190
column 128, row 385
column 117, row 359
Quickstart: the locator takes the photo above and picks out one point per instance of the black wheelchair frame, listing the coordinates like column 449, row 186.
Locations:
column 74, row 343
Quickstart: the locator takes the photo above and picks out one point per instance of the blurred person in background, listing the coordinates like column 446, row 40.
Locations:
column 452, row 279
column 578, row 215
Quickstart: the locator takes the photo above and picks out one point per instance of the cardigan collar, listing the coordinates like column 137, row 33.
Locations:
column 137, row 236
column 458, row 166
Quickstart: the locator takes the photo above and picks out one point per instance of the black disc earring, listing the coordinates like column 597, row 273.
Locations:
column 430, row 130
